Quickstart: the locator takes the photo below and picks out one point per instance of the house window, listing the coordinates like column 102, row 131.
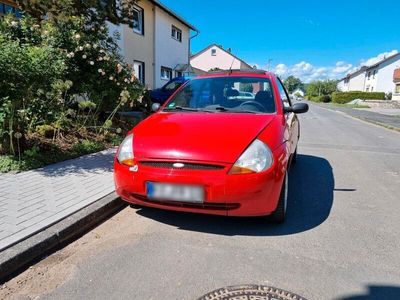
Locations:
column 373, row 76
column 176, row 33
column 138, row 20
column 178, row 74
column 369, row 75
column 166, row 73
column 138, row 68
column 372, row 88
column 397, row 88
column 213, row 52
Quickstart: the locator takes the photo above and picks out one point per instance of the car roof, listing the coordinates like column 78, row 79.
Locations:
column 181, row 78
column 236, row 72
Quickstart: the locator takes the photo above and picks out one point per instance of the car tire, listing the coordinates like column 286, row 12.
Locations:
column 278, row 216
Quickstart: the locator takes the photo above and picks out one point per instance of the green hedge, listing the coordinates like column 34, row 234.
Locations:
column 325, row 99
column 344, row 97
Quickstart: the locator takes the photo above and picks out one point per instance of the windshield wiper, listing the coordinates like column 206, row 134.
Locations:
column 216, row 109
column 231, row 110
column 246, row 111
column 180, row 108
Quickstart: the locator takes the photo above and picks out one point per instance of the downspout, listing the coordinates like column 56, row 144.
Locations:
column 154, row 47
column 365, row 79
column 190, row 39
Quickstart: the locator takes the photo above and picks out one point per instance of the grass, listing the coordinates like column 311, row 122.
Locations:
column 333, row 104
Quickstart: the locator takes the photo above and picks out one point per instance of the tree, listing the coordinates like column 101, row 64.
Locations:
column 246, row 87
column 99, row 11
column 292, row 83
column 319, row 88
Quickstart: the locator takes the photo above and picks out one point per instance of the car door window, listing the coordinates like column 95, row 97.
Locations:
column 284, row 95
column 172, row 86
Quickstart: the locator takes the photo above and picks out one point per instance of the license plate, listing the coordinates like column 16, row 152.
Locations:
column 175, row 192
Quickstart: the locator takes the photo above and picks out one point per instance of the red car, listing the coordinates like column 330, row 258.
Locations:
column 222, row 144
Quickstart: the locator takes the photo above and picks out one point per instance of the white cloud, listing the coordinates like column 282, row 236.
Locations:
column 308, row 72
column 373, row 60
column 342, row 67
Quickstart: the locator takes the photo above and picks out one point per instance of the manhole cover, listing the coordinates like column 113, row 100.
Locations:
column 250, row 292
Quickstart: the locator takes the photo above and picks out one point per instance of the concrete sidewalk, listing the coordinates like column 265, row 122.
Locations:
column 369, row 115
column 34, row 200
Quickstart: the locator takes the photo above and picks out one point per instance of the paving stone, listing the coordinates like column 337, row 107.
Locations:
column 38, row 198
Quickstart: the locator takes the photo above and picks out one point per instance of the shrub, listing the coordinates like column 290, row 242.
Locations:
column 86, row 147
column 45, row 66
column 46, row 131
column 313, row 98
column 325, row 99
column 298, row 95
column 344, row 97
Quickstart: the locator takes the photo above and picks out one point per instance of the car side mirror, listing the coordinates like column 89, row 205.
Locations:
column 155, row 107
column 297, row 108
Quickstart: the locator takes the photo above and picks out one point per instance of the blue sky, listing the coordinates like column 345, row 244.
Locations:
column 310, row 39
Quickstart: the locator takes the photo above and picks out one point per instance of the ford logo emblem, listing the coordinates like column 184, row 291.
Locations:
column 178, row 165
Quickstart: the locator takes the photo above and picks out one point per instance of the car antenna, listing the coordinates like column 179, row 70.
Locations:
column 230, row 69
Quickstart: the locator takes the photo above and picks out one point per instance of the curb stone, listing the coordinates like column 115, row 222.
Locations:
column 20, row 255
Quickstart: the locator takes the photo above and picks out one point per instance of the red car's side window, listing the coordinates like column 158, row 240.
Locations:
column 283, row 94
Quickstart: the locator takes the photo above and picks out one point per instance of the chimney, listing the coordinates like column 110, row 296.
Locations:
column 229, row 50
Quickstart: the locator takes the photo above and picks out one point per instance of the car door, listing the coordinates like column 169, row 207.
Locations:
column 291, row 121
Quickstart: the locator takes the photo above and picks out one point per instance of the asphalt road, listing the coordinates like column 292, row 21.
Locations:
column 341, row 239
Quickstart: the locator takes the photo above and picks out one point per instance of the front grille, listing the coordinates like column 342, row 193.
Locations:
column 187, row 166
column 210, row 205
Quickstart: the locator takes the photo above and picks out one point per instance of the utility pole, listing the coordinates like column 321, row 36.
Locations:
column 269, row 64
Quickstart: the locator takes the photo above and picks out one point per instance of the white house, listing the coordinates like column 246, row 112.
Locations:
column 297, row 92
column 353, row 81
column 374, row 78
column 215, row 56
column 158, row 45
column 396, row 81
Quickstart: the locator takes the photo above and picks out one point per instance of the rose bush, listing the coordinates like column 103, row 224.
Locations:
column 66, row 74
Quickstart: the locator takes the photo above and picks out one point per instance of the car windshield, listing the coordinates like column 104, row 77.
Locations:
column 225, row 94
column 172, row 86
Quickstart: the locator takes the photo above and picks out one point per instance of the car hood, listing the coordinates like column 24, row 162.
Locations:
column 213, row 137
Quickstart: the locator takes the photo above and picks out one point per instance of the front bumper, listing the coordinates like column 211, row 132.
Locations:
column 225, row 194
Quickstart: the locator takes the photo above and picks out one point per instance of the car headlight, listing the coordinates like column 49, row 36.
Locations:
column 256, row 158
column 125, row 152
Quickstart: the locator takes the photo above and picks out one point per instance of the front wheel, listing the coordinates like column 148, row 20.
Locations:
column 278, row 215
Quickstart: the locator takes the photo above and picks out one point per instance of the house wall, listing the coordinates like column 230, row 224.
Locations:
column 298, row 91
column 371, row 81
column 385, row 75
column 356, row 82
column 342, row 86
column 244, row 66
column 140, row 47
column 222, row 60
column 168, row 51
column 114, row 29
